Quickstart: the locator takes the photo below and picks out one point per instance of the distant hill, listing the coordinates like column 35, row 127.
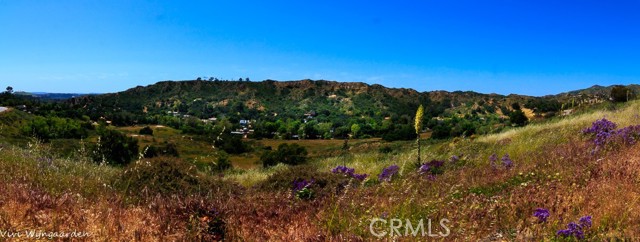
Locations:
column 599, row 90
column 336, row 104
column 206, row 99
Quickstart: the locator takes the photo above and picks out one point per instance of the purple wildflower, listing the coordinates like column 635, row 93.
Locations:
column 600, row 126
column 604, row 132
column 360, row 177
column 628, row 134
column 492, row 161
column 301, row 188
column 300, row 184
column 542, row 214
column 432, row 167
column 506, row 161
column 424, row 168
column 350, row 172
column 576, row 229
column 585, row 222
column 564, row 232
column 339, row 169
column 388, row 173
column 454, row 159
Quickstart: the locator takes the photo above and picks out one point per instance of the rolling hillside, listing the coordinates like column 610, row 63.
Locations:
column 204, row 98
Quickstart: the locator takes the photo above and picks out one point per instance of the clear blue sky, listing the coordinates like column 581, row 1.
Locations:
column 525, row 47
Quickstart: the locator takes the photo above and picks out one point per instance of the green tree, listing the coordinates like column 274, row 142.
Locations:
column 55, row 128
column 400, row 132
column 309, row 130
column 518, row 118
column 324, row 129
column 222, row 162
column 292, row 127
column 355, row 130
column 146, row 131
column 621, row 93
column 293, row 154
column 115, row 147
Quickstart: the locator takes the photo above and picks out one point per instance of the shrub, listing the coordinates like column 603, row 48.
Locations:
column 441, row 131
column 293, row 154
column 55, row 128
column 222, row 162
column 324, row 183
column 150, row 151
column 231, row 144
column 621, row 94
column 114, row 147
column 169, row 149
column 146, row 131
column 401, row 132
column 518, row 118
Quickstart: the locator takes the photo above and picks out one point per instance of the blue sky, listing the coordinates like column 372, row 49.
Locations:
column 524, row 47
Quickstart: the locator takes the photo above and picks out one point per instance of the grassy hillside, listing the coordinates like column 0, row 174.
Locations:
column 551, row 165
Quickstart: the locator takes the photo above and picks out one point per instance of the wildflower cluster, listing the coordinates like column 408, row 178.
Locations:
column 605, row 132
column 542, row 214
column 433, row 167
column 349, row 172
column 576, row 229
column 600, row 126
column 628, row 135
column 492, row 161
column 507, row 163
column 388, row 173
column 301, row 188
